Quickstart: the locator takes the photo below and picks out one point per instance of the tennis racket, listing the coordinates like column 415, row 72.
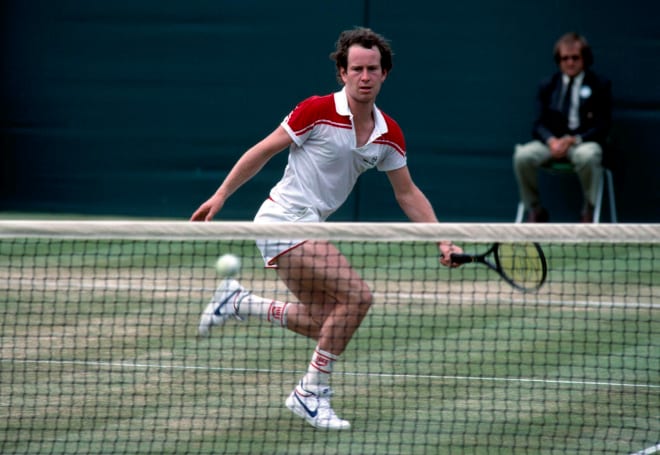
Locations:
column 522, row 265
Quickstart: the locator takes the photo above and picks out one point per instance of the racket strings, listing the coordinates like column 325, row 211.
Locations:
column 522, row 264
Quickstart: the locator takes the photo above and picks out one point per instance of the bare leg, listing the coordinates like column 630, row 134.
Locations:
column 333, row 297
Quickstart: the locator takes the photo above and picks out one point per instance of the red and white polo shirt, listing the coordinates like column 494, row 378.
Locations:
column 324, row 162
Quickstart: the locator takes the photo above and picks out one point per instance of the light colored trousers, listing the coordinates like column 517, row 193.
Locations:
column 527, row 158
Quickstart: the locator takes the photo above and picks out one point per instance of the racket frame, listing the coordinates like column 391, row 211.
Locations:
column 497, row 266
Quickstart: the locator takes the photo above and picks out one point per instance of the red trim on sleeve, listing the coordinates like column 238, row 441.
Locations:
column 313, row 111
column 394, row 136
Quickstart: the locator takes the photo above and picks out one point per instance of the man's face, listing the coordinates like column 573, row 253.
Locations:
column 570, row 59
column 363, row 76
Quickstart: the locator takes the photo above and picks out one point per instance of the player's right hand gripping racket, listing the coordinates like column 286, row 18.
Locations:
column 522, row 265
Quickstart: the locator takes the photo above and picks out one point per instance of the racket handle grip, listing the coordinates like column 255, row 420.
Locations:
column 458, row 258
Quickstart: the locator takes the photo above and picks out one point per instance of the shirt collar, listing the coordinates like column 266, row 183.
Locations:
column 577, row 81
column 341, row 106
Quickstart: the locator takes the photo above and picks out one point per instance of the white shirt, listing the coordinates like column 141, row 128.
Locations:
column 574, row 110
column 324, row 162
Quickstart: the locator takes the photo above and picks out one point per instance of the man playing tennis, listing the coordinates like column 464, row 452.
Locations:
column 332, row 139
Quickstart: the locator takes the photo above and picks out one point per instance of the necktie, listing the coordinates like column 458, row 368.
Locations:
column 566, row 100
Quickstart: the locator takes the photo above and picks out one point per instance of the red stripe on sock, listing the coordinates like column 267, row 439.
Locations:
column 276, row 312
column 321, row 361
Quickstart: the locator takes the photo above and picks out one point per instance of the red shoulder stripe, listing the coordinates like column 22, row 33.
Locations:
column 316, row 110
column 394, row 136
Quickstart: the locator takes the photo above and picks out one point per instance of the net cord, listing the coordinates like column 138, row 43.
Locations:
column 403, row 231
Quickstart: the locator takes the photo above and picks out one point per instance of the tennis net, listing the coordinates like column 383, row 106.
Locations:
column 100, row 350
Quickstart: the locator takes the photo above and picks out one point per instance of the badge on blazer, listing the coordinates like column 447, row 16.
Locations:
column 585, row 91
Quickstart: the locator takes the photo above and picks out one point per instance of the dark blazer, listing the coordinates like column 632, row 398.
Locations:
column 595, row 109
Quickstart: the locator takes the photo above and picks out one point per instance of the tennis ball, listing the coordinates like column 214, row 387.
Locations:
column 228, row 265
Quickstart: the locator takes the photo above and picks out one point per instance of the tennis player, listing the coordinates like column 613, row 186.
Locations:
column 331, row 139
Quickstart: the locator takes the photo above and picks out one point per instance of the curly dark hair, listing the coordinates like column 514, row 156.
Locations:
column 366, row 38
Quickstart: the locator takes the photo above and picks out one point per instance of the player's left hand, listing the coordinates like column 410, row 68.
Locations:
column 208, row 209
column 446, row 250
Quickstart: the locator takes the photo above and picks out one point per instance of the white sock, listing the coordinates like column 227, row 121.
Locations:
column 319, row 370
column 270, row 310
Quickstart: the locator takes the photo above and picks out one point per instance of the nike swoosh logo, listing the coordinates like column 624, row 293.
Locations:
column 307, row 410
column 224, row 302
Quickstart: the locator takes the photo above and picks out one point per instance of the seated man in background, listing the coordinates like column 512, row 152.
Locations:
column 573, row 118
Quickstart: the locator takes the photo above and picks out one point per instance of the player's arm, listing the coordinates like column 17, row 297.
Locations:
column 410, row 198
column 248, row 165
column 417, row 208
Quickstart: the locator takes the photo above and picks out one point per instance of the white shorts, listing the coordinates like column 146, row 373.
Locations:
column 272, row 212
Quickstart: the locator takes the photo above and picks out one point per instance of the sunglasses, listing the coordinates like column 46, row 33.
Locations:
column 565, row 58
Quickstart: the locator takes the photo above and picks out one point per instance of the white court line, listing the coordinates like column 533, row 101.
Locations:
column 136, row 365
column 429, row 296
column 530, row 301
column 648, row 450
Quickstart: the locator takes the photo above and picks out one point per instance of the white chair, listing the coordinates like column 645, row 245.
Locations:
column 606, row 177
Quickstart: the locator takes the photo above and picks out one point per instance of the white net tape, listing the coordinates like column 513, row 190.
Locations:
column 565, row 233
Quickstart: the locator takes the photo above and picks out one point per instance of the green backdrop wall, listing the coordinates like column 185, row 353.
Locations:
column 140, row 107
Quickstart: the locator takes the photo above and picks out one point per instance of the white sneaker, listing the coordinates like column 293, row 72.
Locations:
column 223, row 305
column 315, row 408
